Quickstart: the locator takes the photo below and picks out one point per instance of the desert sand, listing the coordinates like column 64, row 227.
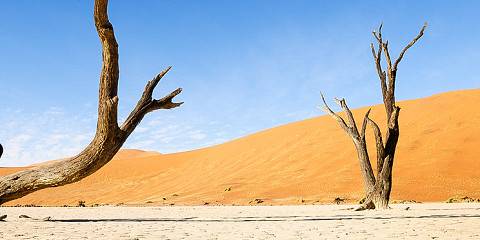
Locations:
column 421, row 221
column 310, row 161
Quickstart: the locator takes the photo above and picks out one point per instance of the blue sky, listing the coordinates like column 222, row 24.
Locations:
column 244, row 65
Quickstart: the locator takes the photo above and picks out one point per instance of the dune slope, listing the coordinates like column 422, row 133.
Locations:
column 308, row 161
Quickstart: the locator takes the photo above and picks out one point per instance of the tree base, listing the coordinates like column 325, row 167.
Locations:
column 374, row 201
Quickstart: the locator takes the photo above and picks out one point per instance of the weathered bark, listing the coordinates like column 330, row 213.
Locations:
column 358, row 140
column 109, row 137
column 377, row 189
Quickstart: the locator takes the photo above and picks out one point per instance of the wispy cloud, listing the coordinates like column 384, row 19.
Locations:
column 55, row 133
column 36, row 137
column 168, row 134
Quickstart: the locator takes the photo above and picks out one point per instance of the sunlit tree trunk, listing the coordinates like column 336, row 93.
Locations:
column 109, row 135
column 377, row 189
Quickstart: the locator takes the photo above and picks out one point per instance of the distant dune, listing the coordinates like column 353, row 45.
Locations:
column 308, row 161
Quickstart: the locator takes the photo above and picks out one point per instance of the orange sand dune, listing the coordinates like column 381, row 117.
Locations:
column 307, row 161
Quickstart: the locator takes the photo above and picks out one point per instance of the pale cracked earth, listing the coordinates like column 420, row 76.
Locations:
column 420, row 221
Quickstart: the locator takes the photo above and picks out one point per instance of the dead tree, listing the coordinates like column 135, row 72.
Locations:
column 377, row 188
column 109, row 136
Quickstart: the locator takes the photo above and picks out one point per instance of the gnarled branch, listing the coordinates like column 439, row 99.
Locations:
column 388, row 89
column 377, row 189
column 351, row 120
column 335, row 116
column 377, row 56
column 378, row 144
column 358, row 139
column 420, row 34
column 364, row 124
column 147, row 104
column 108, row 137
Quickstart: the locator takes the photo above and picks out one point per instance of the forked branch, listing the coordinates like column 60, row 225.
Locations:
column 147, row 104
column 388, row 86
column 420, row 34
column 364, row 124
column 108, row 139
column 377, row 189
column 377, row 57
column 378, row 144
column 335, row 116
column 343, row 104
column 358, row 139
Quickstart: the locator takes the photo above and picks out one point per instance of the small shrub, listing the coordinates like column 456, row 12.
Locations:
column 81, row 203
column 462, row 200
column 338, row 200
column 256, row 201
column 404, row 201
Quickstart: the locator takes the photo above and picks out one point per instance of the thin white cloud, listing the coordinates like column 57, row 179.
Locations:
column 36, row 137
column 56, row 133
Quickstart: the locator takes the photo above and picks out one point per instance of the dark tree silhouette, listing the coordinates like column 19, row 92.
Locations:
column 377, row 188
column 109, row 136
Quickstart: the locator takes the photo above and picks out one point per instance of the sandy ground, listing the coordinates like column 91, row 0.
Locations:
column 308, row 161
column 421, row 221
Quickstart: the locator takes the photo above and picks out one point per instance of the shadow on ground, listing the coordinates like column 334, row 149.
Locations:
column 270, row 219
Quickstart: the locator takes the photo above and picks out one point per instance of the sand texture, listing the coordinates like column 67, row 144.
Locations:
column 307, row 162
column 421, row 221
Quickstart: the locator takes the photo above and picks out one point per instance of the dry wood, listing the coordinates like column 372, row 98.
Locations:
column 377, row 189
column 109, row 137
column 358, row 140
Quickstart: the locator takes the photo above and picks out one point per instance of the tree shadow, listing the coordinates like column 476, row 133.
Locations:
column 268, row 219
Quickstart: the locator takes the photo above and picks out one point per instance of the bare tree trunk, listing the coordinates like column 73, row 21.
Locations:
column 109, row 136
column 377, row 190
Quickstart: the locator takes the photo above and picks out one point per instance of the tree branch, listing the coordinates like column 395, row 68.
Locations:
column 108, row 139
column 166, row 102
column 387, row 56
column 378, row 35
column 359, row 141
column 351, row 119
column 364, row 125
column 389, row 95
column 378, row 144
column 420, row 34
column 152, row 84
column 147, row 104
column 393, row 121
column 377, row 56
column 108, row 87
column 335, row 116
